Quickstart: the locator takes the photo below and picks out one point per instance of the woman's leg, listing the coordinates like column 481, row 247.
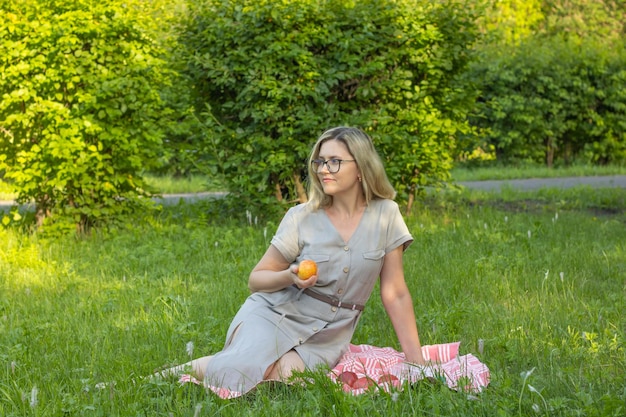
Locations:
column 196, row 367
column 283, row 368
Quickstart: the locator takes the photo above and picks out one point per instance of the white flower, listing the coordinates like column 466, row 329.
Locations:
column 189, row 348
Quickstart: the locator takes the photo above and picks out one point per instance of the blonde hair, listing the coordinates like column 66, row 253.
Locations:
column 374, row 181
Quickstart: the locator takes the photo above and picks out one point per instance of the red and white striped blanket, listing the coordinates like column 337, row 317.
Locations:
column 366, row 367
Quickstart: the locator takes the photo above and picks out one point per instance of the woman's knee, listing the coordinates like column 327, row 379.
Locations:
column 284, row 367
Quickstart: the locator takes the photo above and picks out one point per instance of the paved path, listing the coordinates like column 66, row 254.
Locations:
column 609, row 181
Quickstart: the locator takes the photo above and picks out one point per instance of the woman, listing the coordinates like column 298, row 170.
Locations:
column 355, row 233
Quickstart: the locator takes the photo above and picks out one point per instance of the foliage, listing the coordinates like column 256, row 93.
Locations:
column 582, row 19
column 81, row 113
column 502, row 268
column 509, row 22
column 271, row 76
column 163, row 20
column 553, row 99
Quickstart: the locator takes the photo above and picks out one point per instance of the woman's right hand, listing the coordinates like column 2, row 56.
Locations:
column 302, row 283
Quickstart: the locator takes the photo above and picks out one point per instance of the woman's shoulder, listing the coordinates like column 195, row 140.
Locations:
column 301, row 211
column 384, row 205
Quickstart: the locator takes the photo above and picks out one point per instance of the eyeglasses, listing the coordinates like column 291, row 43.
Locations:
column 333, row 164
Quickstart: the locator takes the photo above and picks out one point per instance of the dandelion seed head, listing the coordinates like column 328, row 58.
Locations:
column 561, row 274
column 481, row 346
column 536, row 408
column 395, row 396
column 189, row 348
column 529, row 234
column 532, row 389
column 33, row 397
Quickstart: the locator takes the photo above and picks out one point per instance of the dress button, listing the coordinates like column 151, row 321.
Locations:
column 333, row 309
column 315, row 329
column 340, row 291
column 346, row 269
column 346, row 248
column 300, row 340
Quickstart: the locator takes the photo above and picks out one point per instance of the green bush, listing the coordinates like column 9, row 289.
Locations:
column 553, row 100
column 271, row 76
column 81, row 115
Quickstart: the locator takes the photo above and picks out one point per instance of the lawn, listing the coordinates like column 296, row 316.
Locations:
column 534, row 284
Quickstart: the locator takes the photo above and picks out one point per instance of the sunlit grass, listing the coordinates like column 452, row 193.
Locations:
column 161, row 184
column 538, row 277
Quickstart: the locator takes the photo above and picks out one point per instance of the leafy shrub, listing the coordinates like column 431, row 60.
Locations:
column 553, row 100
column 81, row 113
column 271, row 76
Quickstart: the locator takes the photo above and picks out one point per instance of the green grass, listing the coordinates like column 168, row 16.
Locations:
column 538, row 276
column 461, row 173
column 189, row 184
column 162, row 185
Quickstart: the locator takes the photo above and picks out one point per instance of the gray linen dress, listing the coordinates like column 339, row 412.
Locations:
column 271, row 324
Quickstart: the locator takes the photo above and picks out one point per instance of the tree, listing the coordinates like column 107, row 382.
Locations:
column 270, row 76
column 81, row 115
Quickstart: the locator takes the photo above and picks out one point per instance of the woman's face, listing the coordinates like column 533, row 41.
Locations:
column 346, row 178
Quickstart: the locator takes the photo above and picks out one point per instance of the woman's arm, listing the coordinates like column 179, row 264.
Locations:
column 399, row 306
column 273, row 273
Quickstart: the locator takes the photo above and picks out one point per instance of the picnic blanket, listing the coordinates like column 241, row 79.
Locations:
column 366, row 367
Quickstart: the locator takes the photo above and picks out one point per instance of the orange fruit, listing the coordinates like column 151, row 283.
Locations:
column 307, row 269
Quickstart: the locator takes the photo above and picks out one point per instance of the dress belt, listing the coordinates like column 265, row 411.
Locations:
column 332, row 301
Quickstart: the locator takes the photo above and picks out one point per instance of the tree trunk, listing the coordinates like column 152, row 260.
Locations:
column 42, row 210
column 278, row 193
column 302, row 197
column 550, row 153
column 411, row 200
column 409, row 203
